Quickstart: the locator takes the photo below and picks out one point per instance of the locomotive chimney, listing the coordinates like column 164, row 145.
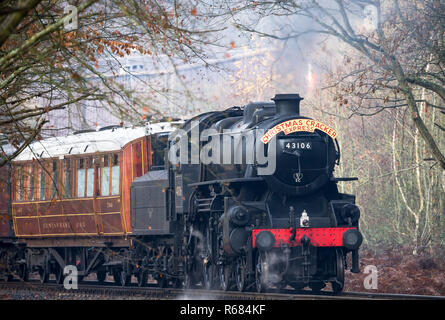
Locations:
column 287, row 104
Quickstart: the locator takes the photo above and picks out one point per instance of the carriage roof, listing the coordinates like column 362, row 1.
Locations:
column 113, row 139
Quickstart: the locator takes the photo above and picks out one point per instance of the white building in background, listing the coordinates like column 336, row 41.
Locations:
column 177, row 92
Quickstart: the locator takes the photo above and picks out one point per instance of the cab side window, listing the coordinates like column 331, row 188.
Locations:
column 158, row 146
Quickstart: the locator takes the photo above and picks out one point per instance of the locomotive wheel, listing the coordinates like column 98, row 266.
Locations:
column 193, row 273
column 337, row 286
column 187, row 283
column 260, row 273
column 101, row 276
column 142, row 277
column 224, row 277
column 240, row 274
column 208, row 267
column 209, row 276
column 317, row 287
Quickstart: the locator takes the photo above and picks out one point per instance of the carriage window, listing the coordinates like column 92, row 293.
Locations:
column 42, row 185
column 67, row 180
column 81, row 178
column 115, row 175
column 54, row 178
column 31, row 183
column 20, row 183
column 110, row 175
column 90, row 177
column 105, row 176
column 85, row 178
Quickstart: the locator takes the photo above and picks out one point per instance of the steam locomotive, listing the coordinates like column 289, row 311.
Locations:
column 243, row 198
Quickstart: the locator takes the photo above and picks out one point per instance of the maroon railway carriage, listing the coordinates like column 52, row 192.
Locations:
column 71, row 198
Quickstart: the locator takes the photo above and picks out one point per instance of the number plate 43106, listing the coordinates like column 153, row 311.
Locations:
column 298, row 145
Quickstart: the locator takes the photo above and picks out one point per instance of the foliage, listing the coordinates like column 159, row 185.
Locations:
column 48, row 56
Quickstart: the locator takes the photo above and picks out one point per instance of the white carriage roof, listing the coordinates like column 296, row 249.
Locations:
column 90, row 142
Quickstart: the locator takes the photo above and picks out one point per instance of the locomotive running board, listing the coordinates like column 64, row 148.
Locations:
column 235, row 180
column 344, row 179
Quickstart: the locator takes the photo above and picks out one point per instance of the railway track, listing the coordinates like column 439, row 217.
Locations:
column 92, row 290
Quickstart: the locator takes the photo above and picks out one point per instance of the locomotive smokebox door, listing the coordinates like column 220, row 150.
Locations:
column 149, row 205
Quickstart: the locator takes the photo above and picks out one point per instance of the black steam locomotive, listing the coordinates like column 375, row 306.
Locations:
column 248, row 199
